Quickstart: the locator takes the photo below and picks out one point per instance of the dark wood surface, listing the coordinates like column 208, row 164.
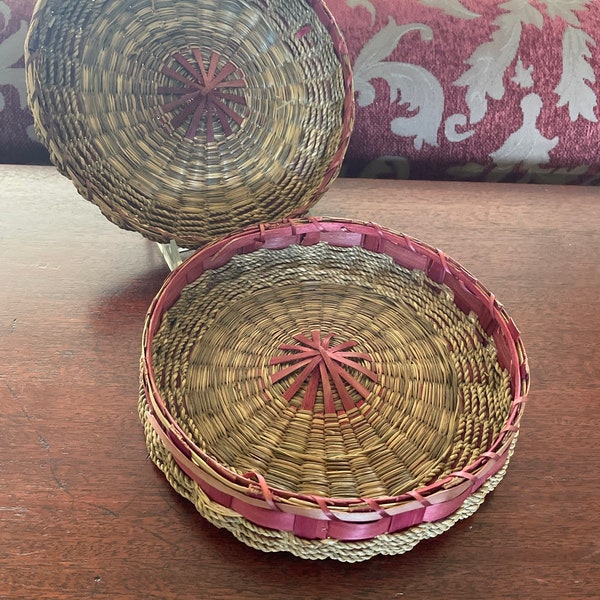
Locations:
column 84, row 514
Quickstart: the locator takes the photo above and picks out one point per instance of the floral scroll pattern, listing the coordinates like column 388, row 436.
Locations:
column 16, row 122
column 502, row 109
column 11, row 53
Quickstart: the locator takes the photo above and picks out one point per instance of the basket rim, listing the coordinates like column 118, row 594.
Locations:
column 349, row 110
column 435, row 498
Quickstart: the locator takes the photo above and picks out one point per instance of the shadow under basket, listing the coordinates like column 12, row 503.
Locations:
column 330, row 388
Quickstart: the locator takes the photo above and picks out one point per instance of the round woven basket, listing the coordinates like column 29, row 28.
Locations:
column 186, row 120
column 330, row 388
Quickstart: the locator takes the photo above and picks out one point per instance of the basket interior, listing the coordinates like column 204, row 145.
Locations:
column 330, row 371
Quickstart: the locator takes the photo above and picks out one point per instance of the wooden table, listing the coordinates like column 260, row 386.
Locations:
column 84, row 514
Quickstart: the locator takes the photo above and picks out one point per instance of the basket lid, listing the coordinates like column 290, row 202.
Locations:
column 186, row 120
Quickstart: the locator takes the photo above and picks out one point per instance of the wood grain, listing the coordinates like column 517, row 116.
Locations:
column 84, row 514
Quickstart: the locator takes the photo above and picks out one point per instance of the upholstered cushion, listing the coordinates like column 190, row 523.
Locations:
column 18, row 142
column 478, row 89
column 445, row 89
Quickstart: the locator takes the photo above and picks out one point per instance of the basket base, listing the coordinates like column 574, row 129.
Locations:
column 271, row 540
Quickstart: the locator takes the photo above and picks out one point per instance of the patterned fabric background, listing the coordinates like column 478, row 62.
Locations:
column 17, row 139
column 445, row 89
column 486, row 90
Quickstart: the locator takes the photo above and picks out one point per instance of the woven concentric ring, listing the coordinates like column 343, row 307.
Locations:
column 187, row 120
column 239, row 381
column 420, row 421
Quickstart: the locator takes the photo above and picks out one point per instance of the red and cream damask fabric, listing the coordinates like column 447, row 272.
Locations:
column 18, row 142
column 445, row 89
column 471, row 89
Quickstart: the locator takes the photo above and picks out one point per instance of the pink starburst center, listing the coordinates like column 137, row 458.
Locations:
column 204, row 95
column 315, row 364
